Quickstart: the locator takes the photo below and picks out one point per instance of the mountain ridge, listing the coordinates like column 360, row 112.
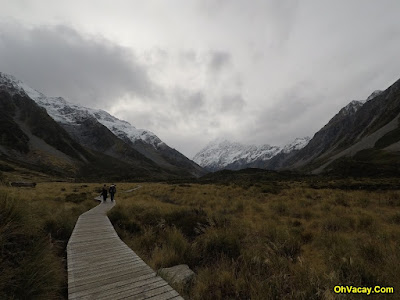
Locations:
column 357, row 126
column 363, row 133
column 223, row 154
column 104, row 133
column 352, row 131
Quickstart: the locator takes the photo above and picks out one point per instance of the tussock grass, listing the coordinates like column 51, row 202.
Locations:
column 247, row 242
column 244, row 241
column 29, row 267
column 35, row 226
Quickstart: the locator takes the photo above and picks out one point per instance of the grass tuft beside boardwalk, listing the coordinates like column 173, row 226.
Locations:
column 35, row 225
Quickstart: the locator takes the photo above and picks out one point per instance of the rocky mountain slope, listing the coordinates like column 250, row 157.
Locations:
column 53, row 134
column 29, row 135
column 222, row 154
column 361, row 138
column 85, row 124
column 106, row 135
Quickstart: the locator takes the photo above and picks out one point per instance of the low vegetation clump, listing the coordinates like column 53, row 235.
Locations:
column 35, row 226
column 293, row 241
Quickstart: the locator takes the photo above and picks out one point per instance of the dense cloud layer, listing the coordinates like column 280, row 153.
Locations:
column 61, row 62
column 191, row 71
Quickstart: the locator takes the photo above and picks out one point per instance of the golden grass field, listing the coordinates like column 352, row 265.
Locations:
column 243, row 242
column 35, row 225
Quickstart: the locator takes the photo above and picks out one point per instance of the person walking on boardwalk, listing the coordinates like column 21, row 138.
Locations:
column 112, row 191
column 104, row 193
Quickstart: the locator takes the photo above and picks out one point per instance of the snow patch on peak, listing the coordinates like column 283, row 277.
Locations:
column 374, row 94
column 221, row 153
column 352, row 107
column 355, row 105
column 68, row 113
column 125, row 130
column 13, row 85
column 32, row 93
column 297, row 144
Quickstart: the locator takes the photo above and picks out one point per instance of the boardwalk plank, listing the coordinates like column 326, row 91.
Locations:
column 146, row 293
column 166, row 296
column 101, row 266
column 142, row 291
column 102, row 281
column 105, row 268
column 95, row 251
column 107, row 262
column 112, row 286
column 82, row 278
column 131, row 288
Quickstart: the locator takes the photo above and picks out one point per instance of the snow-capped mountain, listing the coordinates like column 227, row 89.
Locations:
column 65, row 112
column 355, row 105
column 89, row 127
column 351, row 108
column 220, row 154
column 297, row 144
column 359, row 126
column 374, row 94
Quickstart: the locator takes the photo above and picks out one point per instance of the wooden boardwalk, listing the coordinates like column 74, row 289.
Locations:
column 101, row 266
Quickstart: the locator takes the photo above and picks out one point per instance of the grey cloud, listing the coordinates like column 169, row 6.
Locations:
column 60, row 61
column 232, row 103
column 218, row 60
column 294, row 114
column 282, row 15
column 291, row 104
column 214, row 61
column 210, row 8
column 277, row 18
column 150, row 119
column 156, row 57
column 188, row 56
column 189, row 102
column 234, row 64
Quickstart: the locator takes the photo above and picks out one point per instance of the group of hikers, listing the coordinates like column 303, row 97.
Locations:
column 112, row 190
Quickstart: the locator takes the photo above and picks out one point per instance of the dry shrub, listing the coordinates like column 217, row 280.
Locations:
column 216, row 243
column 396, row 218
column 174, row 250
column 30, row 269
column 76, row 198
column 338, row 223
column 220, row 281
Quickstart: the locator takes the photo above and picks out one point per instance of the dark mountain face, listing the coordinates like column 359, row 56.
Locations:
column 29, row 137
column 371, row 127
column 109, row 153
column 89, row 132
column 326, row 138
column 376, row 113
column 12, row 137
column 95, row 136
column 168, row 158
column 82, row 138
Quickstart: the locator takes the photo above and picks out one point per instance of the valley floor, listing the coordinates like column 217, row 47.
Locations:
column 286, row 240
column 282, row 239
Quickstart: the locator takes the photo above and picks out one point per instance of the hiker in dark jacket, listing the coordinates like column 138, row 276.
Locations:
column 112, row 191
column 104, row 193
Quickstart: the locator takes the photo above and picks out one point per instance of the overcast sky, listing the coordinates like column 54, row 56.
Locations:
column 260, row 72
